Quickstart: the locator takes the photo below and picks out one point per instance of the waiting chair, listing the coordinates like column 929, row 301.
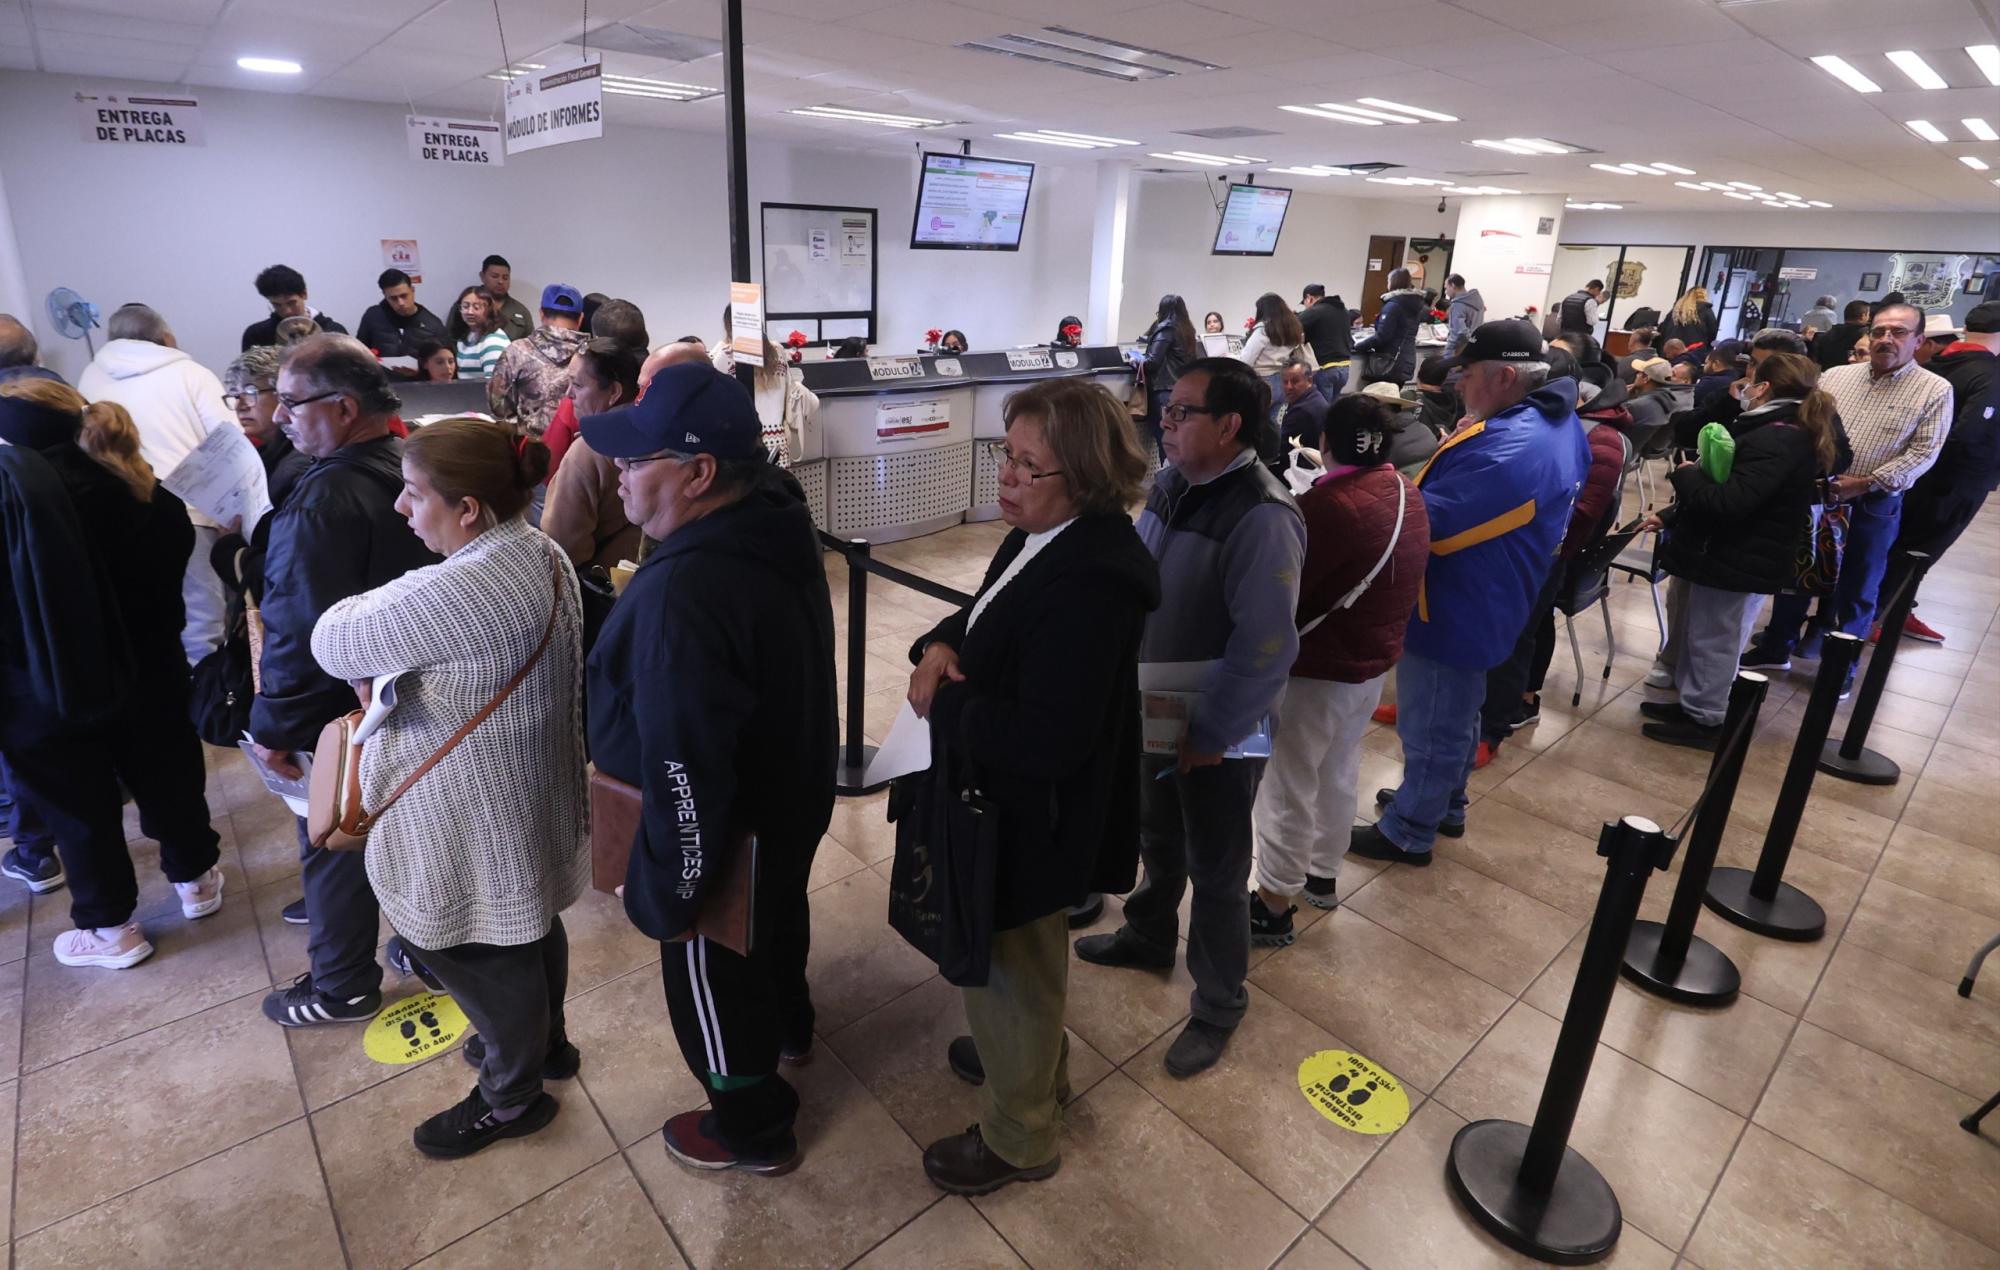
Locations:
column 1587, row 580
column 1639, row 562
column 1971, row 1123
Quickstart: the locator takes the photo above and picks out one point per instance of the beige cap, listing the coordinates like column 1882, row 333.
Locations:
column 1388, row 392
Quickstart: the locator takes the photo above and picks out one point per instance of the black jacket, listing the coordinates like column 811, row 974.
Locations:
column 144, row 547
column 1304, row 420
column 392, row 335
column 1744, row 534
column 259, row 334
column 283, row 466
column 1048, row 715
column 711, row 688
column 337, row 535
column 1970, row 458
column 1395, row 337
column 1165, row 358
column 1330, row 331
column 1700, row 331
column 1831, row 346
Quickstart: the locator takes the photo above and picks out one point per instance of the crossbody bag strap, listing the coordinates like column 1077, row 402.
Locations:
column 555, row 604
column 1355, row 593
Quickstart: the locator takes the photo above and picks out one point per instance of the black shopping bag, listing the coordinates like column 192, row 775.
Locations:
column 942, row 878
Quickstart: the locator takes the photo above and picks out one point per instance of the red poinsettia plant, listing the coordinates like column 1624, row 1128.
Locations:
column 932, row 336
column 1437, row 315
column 796, row 341
column 1249, row 323
column 1072, row 333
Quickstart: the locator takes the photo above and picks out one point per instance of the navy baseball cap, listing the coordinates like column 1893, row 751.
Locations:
column 557, row 298
column 689, row 408
column 1504, row 340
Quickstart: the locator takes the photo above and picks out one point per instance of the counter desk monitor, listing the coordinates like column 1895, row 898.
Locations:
column 971, row 204
column 1252, row 218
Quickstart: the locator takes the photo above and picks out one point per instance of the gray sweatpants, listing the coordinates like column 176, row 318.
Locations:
column 513, row 996
column 1710, row 632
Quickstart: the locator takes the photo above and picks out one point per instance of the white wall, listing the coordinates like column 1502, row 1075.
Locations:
column 316, row 184
column 1496, row 236
column 1325, row 239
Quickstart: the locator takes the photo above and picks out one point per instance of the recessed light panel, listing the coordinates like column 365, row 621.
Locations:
column 1917, row 69
column 1840, row 69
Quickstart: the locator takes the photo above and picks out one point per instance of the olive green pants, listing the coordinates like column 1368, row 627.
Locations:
column 1017, row 1023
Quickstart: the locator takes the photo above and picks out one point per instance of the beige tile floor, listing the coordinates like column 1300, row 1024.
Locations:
column 158, row 1120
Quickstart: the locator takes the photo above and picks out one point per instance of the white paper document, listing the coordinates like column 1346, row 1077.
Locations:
column 294, row 792
column 381, row 700
column 1170, row 696
column 906, row 749
column 223, row 479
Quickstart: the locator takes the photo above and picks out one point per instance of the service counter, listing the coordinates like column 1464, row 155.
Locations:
column 900, row 450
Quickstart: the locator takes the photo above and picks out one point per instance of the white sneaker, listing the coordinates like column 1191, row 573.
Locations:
column 109, row 947
column 202, row 896
column 1659, row 677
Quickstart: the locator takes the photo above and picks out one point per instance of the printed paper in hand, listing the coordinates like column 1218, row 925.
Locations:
column 223, row 479
column 294, row 792
column 906, row 749
column 1170, row 696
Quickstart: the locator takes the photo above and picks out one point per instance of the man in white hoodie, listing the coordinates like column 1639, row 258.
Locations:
column 174, row 402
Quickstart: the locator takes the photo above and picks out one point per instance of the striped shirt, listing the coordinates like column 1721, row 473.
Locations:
column 477, row 358
column 1896, row 422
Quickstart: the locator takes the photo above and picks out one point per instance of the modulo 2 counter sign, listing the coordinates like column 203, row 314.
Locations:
column 121, row 119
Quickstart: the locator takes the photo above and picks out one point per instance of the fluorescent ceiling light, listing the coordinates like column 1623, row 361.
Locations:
column 1073, row 140
column 1316, row 169
column 1407, row 110
column 1674, row 168
column 1715, row 185
column 1365, row 112
column 1745, row 185
column 1980, row 129
column 1813, row 202
column 1917, row 69
column 1643, row 170
column 1207, row 160
column 1925, row 129
column 1594, row 207
column 1505, row 146
column 844, row 115
column 1612, row 168
column 1987, row 58
column 269, row 65
column 1977, row 165
column 1690, row 185
column 1536, row 145
column 517, row 70
column 1802, row 206
column 1328, row 114
column 1091, row 54
column 1047, row 141
column 1782, row 195
column 658, row 94
column 1839, row 68
column 1733, row 194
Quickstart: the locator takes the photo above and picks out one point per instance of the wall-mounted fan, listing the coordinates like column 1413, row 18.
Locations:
column 74, row 316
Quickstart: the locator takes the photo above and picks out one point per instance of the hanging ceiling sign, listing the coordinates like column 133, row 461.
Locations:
column 459, row 143
column 554, row 106
column 123, row 119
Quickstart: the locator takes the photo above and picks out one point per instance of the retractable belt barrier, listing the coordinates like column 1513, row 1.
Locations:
column 1851, row 759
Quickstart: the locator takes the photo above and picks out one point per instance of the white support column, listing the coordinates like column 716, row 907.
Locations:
column 1501, row 250
column 1103, row 323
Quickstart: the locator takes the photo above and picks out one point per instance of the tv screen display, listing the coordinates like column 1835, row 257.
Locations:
column 1251, row 219
column 971, row 204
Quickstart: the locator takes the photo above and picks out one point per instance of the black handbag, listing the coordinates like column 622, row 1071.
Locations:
column 221, row 684
column 941, row 881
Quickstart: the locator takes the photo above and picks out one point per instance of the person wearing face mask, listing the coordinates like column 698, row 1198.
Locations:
column 1034, row 686
column 474, row 862
column 1735, row 541
column 583, row 513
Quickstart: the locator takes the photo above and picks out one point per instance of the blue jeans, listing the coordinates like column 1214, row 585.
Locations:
column 1437, row 720
column 1330, row 380
column 1871, row 531
column 31, row 837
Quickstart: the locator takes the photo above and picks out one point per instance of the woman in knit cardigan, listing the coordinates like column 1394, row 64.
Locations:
column 473, row 863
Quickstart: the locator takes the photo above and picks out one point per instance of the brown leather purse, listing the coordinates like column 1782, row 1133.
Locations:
column 728, row 910
column 335, row 819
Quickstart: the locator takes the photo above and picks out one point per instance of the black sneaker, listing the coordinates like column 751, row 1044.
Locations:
column 1123, row 949
column 1529, row 714
column 561, row 1062
column 1320, row 892
column 397, row 953
column 302, row 1005
column 1371, row 843
column 1812, row 647
column 295, row 912
column 1761, row 658
column 1086, row 913
column 1685, row 732
column 470, row 1126
column 798, row 1051
column 1383, row 797
column 1268, row 929
column 41, row 873
column 1665, row 711
column 1198, row 1048
column 690, row 1138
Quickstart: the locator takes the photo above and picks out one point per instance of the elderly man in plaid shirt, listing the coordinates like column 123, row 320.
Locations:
column 1897, row 415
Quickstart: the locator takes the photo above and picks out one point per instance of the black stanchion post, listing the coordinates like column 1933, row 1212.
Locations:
column 1851, row 759
column 854, row 756
column 1763, row 901
column 1525, row 1185
column 1669, row 959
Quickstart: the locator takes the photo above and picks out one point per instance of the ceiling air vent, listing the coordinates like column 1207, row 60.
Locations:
column 651, row 41
column 1236, row 133
column 1073, row 50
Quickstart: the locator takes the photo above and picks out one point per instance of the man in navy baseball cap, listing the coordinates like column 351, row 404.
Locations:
column 690, row 444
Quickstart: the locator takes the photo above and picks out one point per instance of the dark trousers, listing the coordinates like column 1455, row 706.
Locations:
column 733, row 1013
column 1934, row 517
column 1525, row 666
column 1196, row 829
column 31, row 837
column 1872, row 527
column 342, row 920
column 513, row 996
column 1149, row 427
column 71, row 785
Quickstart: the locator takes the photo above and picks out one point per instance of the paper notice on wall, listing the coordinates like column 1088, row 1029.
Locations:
column 401, row 253
column 819, row 245
column 746, row 322
column 1500, row 242
column 464, row 143
column 223, row 479
column 554, row 106
column 910, row 419
column 1534, row 268
column 855, row 237
column 124, row 119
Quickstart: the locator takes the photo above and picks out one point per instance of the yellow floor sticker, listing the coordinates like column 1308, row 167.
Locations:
column 414, row 1028
column 1353, row 1092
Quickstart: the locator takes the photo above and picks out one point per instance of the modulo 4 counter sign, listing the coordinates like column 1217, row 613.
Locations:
column 971, row 204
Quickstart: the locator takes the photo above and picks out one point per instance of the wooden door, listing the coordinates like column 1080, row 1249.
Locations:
column 1385, row 254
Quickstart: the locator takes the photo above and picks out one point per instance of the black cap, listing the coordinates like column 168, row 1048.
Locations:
column 1505, row 340
column 1984, row 318
column 689, row 408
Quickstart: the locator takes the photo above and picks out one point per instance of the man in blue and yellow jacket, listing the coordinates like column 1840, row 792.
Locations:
column 1498, row 492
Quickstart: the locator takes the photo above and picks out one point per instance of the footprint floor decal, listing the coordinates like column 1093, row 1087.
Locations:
column 1353, row 1092
column 414, row 1028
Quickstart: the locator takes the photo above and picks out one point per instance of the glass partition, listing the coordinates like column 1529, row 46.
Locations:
column 1635, row 277
column 1795, row 279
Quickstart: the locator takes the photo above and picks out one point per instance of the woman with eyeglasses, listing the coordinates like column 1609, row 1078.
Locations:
column 250, row 388
column 1032, row 693
column 477, row 327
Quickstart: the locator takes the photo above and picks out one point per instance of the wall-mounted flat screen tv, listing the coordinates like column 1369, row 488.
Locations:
column 1251, row 220
column 971, row 204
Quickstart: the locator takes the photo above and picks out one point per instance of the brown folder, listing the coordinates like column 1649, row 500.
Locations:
column 728, row 912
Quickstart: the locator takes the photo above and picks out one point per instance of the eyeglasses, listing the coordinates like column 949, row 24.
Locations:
column 1005, row 458
column 244, row 397
column 291, row 405
column 1893, row 332
column 1178, row 411
column 626, row 465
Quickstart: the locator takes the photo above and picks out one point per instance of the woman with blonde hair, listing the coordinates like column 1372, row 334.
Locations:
column 140, row 536
column 1032, row 690
column 1691, row 321
column 476, row 859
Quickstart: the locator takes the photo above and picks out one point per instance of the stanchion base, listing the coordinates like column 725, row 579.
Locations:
column 1791, row 914
column 1706, row 976
column 1575, row 1224
column 849, row 778
column 1869, row 768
